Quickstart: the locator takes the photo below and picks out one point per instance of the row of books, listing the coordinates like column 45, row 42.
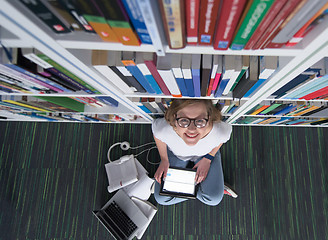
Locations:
column 37, row 73
column 286, row 121
column 48, row 104
column 71, row 117
column 238, row 24
column 309, row 85
column 292, row 109
column 185, row 75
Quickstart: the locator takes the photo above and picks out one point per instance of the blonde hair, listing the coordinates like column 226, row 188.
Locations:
column 214, row 114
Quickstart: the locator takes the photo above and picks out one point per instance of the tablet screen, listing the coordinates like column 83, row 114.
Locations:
column 180, row 182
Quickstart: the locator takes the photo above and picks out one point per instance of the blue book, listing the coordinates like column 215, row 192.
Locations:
column 223, row 84
column 135, row 16
column 254, row 87
column 134, row 70
column 148, row 76
column 190, row 87
column 195, row 72
column 180, row 81
column 285, row 110
column 108, row 100
column 187, row 75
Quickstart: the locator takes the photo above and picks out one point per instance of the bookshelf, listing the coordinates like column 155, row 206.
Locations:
column 16, row 21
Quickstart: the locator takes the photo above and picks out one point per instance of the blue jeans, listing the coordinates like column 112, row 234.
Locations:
column 210, row 191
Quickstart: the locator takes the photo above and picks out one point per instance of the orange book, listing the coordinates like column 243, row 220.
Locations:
column 114, row 13
column 260, row 109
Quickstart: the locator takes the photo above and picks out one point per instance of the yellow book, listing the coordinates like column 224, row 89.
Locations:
column 26, row 105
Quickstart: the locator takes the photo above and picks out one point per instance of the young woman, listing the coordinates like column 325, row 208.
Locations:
column 192, row 131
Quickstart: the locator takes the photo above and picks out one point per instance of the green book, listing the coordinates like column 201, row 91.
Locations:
column 68, row 73
column 253, row 18
column 269, row 109
column 65, row 102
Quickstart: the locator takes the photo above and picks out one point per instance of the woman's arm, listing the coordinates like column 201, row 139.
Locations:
column 203, row 165
column 164, row 165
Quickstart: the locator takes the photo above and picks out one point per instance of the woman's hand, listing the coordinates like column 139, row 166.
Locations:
column 161, row 170
column 203, row 167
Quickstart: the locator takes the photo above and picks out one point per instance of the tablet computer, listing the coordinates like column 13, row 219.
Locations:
column 179, row 182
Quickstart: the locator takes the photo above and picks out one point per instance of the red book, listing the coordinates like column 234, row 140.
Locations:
column 209, row 10
column 271, row 31
column 268, row 18
column 153, row 70
column 306, row 27
column 227, row 23
column 192, row 16
column 316, row 94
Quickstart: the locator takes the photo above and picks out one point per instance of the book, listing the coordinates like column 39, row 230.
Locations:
column 187, row 75
column 244, row 68
column 42, row 80
column 293, row 83
column 316, row 94
column 227, row 22
column 128, row 60
column 113, row 11
column 61, row 12
column 308, row 26
column 214, row 70
column 66, row 102
column 208, row 13
column 140, row 61
column 95, row 19
column 133, row 10
column 102, row 61
column 195, row 72
column 267, row 20
column 227, row 72
column 268, row 65
column 293, row 24
column 192, row 21
column 58, row 69
column 249, row 79
column 153, row 20
column 164, row 68
column 275, row 24
column 76, row 14
column 173, row 18
column 206, row 67
column 218, row 75
column 254, row 16
column 153, row 70
column 177, row 72
column 42, row 11
column 236, row 62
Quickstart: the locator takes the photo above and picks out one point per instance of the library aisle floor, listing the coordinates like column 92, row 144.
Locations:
column 52, row 176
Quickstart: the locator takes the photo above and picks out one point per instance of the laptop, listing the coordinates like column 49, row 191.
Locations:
column 121, row 216
column 179, row 182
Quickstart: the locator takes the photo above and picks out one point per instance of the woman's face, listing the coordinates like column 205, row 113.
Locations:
column 191, row 135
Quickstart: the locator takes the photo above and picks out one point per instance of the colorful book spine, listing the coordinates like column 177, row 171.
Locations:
column 192, row 20
column 135, row 71
column 208, row 13
column 153, row 70
column 117, row 18
column 83, row 85
column 253, row 18
column 177, row 72
column 46, row 15
column 133, row 10
column 230, row 14
column 149, row 77
column 267, row 20
column 174, row 22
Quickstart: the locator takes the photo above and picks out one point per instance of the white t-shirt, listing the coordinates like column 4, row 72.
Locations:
column 163, row 131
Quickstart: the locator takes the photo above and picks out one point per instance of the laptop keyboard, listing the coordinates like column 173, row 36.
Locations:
column 117, row 221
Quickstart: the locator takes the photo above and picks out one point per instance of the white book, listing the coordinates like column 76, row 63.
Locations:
column 152, row 18
column 165, row 71
column 233, row 65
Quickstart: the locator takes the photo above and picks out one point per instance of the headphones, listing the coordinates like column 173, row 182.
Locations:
column 126, row 146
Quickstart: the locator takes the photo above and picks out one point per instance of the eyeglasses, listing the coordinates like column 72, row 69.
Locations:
column 185, row 122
